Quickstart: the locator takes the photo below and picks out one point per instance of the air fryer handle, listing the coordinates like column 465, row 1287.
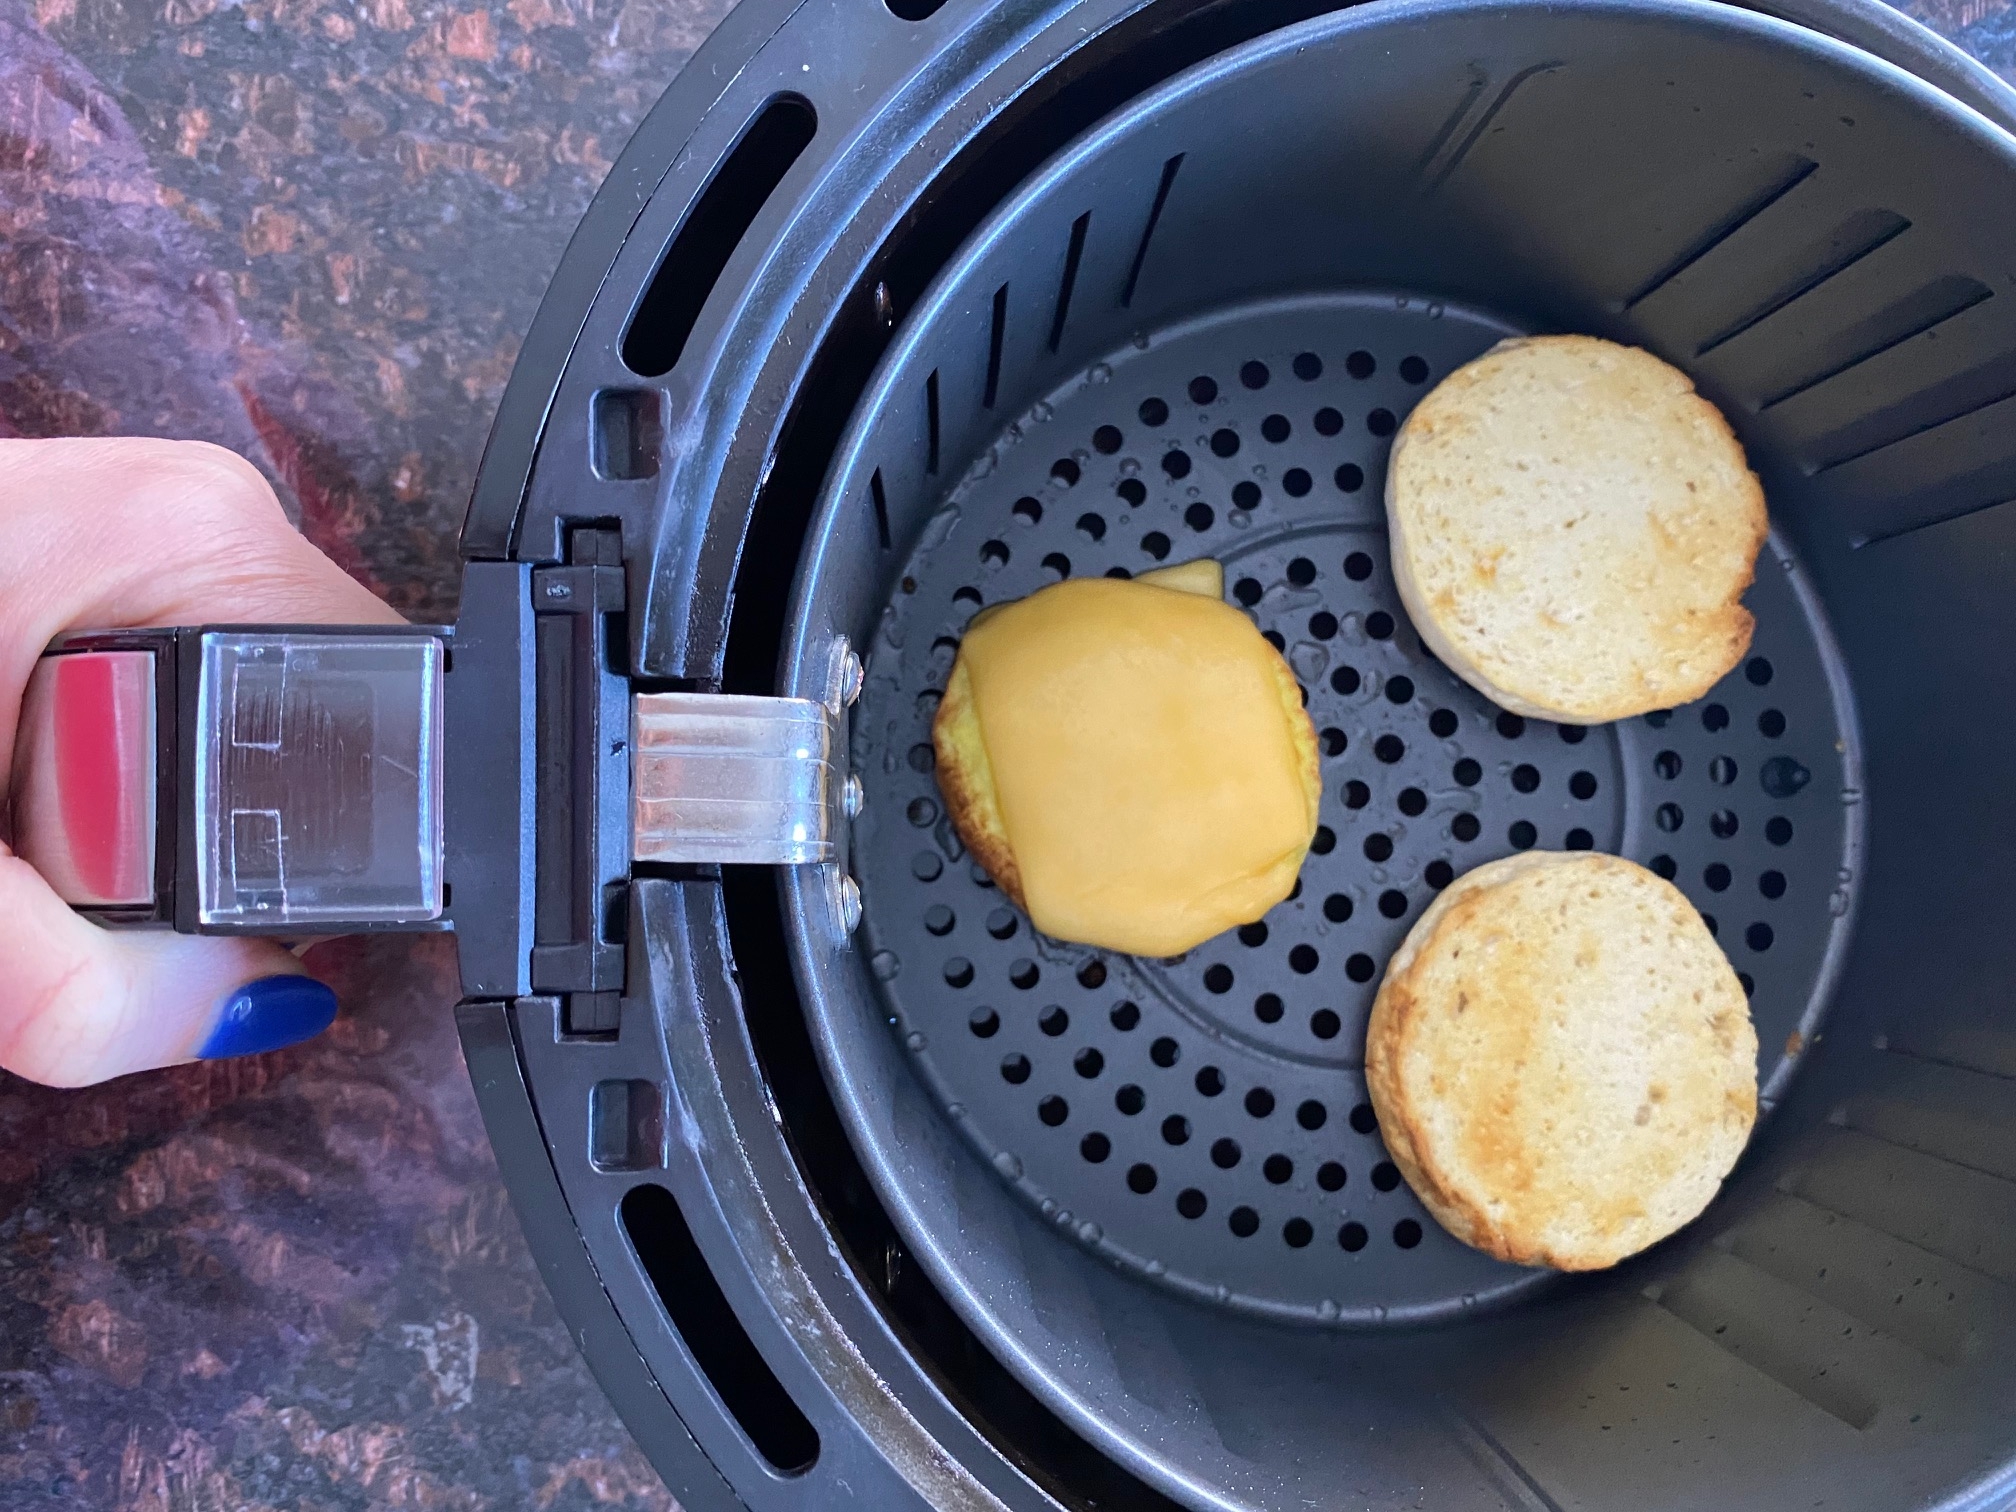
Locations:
column 237, row 779
column 292, row 780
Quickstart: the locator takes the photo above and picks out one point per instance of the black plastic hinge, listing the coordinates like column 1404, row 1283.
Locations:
column 577, row 589
column 583, row 778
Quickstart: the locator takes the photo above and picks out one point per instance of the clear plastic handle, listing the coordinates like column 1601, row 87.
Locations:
column 237, row 779
column 318, row 779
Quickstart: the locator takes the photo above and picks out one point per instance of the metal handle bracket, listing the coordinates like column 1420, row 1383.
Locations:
column 737, row 780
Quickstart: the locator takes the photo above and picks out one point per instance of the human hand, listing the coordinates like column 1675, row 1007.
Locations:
column 116, row 534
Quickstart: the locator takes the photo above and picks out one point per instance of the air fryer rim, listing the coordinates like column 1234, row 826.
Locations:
column 533, row 1096
column 968, row 1287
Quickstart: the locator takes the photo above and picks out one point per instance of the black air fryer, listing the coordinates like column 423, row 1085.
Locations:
column 859, row 1194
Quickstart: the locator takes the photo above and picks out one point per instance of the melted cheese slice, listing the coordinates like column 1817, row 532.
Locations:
column 1152, row 771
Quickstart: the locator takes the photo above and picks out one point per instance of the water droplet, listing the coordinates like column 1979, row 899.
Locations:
column 1327, row 1310
column 1837, row 903
column 1155, row 1267
column 1099, row 372
column 1047, row 1207
column 1129, row 467
column 955, row 1109
column 1040, row 411
column 1782, row 776
column 1434, row 309
column 1090, row 1232
column 1222, row 1292
column 915, row 1039
column 1008, row 1165
column 885, row 965
column 1309, row 660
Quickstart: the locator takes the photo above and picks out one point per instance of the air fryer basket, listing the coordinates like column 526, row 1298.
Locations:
column 1194, row 334
column 894, row 309
column 1226, row 1087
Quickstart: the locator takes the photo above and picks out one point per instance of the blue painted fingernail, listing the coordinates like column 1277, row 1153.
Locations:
column 269, row 1013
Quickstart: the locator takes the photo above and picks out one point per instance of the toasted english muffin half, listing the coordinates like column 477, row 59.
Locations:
column 1573, row 529
column 1562, row 1060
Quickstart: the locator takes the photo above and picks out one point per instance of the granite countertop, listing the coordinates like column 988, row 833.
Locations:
column 314, row 231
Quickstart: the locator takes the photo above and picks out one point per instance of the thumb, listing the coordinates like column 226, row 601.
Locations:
column 80, row 1004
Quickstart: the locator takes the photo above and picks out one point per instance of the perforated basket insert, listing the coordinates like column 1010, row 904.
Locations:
column 1203, row 1121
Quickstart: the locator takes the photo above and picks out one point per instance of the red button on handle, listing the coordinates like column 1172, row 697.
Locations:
column 83, row 789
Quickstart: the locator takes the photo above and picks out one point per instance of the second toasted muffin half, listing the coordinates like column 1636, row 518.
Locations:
column 1562, row 1060
column 1573, row 529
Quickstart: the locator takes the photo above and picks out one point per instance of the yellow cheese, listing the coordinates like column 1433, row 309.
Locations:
column 1130, row 761
column 1203, row 576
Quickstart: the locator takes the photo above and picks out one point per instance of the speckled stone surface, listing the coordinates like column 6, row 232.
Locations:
column 1985, row 28
column 313, row 230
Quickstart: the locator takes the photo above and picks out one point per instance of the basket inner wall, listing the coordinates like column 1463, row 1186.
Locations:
column 1756, row 209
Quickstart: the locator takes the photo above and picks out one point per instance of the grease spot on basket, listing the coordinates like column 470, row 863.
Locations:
column 1782, row 776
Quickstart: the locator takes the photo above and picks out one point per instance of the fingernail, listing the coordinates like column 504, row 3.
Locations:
column 269, row 1013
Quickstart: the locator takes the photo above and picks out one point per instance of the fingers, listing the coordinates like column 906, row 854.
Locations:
column 128, row 531
column 80, row 1004
column 112, row 534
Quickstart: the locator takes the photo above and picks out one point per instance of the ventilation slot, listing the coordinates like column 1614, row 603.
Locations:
column 1854, row 239
column 997, row 332
column 1932, row 1305
column 1945, row 405
column 1967, row 1047
column 1794, row 173
column 1072, row 255
column 931, row 422
column 1479, row 80
column 1791, row 1336
column 880, row 496
column 2002, row 498
column 1911, row 316
column 1509, row 1478
column 1476, row 134
column 747, row 1387
column 1148, row 231
column 1963, row 1215
column 727, row 207
column 627, row 429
